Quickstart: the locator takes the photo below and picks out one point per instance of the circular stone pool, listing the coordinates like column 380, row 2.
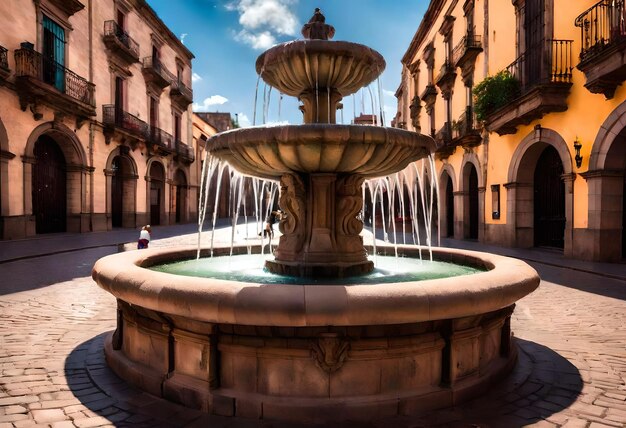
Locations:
column 314, row 352
column 249, row 268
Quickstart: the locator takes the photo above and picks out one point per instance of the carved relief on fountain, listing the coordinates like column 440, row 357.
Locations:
column 293, row 203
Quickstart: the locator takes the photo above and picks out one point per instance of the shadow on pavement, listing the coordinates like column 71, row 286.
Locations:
column 582, row 281
column 543, row 383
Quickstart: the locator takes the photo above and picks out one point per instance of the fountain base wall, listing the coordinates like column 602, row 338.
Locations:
column 295, row 373
column 313, row 353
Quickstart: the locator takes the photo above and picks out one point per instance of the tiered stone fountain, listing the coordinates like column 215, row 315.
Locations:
column 315, row 352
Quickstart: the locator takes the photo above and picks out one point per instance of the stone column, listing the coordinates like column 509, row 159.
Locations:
column 481, row 214
column 29, row 218
column 568, row 237
column 602, row 240
column 108, row 174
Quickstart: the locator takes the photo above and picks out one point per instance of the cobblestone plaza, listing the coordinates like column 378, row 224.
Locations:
column 570, row 332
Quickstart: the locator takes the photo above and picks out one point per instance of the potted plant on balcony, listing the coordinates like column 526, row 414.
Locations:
column 493, row 93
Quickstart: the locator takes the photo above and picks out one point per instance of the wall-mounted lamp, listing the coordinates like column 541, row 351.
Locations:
column 495, row 201
column 578, row 158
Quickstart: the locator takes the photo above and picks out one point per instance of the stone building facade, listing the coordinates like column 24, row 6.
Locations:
column 95, row 118
column 544, row 167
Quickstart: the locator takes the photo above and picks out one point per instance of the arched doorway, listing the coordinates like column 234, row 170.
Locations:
column 123, row 182
column 180, row 199
column 49, row 189
column 470, row 199
column 157, row 190
column 549, row 197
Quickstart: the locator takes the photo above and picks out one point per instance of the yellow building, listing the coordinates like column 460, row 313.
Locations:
column 95, row 118
column 545, row 164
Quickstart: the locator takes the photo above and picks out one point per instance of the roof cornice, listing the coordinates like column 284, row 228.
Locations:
column 433, row 11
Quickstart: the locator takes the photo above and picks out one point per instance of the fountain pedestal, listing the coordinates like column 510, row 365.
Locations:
column 321, row 230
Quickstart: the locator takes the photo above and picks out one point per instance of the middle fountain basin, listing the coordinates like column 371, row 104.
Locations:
column 368, row 151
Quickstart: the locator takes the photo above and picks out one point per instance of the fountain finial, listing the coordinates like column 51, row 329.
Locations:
column 317, row 28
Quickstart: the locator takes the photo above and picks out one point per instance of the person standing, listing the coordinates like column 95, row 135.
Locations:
column 144, row 237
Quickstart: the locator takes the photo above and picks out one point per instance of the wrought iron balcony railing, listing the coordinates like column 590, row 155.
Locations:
column 469, row 43
column 156, row 72
column 532, row 68
column 184, row 151
column 464, row 124
column 446, row 71
column 32, row 64
column 181, row 93
column 464, row 130
column 114, row 117
column 601, row 26
column 160, row 139
column 120, row 38
column 4, row 58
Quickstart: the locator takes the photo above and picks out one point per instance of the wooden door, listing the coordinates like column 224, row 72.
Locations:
column 549, row 203
column 49, row 187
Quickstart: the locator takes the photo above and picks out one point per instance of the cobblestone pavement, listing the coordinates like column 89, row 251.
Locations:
column 571, row 371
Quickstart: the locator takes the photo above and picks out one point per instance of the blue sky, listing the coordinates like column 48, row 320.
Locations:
column 227, row 36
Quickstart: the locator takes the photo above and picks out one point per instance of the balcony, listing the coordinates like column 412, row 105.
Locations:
column 181, row 94
column 155, row 73
column 603, row 46
column 5, row 72
column 464, row 132
column 123, row 125
column 429, row 95
column 467, row 50
column 446, row 77
column 160, row 142
column 42, row 80
column 120, row 43
column 545, row 78
column 445, row 145
column 184, row 152
column 69, row 7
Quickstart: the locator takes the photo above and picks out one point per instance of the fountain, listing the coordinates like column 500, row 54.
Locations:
column 314, row 349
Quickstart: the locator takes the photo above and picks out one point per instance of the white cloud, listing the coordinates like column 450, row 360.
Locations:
column 389, row 93
column 263, row 40
column 182, row 37
column 195, row 77
column 244, row 121
column 210, row 101
column 263, row 20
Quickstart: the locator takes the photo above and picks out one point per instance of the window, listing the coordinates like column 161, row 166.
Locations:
column 53, row 51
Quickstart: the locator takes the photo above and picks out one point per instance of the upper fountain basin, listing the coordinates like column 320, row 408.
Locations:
column 270, row 152
column 305, row 65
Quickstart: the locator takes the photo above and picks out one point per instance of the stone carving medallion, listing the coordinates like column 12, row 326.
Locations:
column 330, row 352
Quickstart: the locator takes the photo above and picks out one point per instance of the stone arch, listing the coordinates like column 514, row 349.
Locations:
column 77, row 171
column 447, row 187
column 471, row 195
column 610, row 131
column 68, row 141
column 520, row 186
column 156, row 197
column 121, row 189
column 606, row 183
